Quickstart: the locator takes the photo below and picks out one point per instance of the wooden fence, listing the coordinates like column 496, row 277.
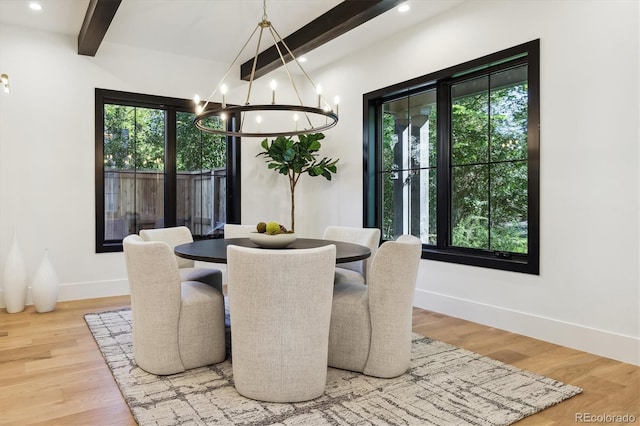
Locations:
column 135, row 201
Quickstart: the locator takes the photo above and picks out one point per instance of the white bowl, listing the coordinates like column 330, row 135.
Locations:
column 272, row 241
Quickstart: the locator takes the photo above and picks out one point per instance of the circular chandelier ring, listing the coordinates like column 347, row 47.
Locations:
column 231, row 110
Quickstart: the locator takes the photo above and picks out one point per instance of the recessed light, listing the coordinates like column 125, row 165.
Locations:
column 35, row 6
column 404, row 8
column 302, row 59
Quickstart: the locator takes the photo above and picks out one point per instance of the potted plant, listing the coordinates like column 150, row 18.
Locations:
column 295, row 158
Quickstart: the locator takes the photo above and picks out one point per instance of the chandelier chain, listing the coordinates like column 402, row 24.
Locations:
column 272, row 30
column 313, row 84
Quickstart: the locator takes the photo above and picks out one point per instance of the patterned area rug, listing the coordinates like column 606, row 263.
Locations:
column 445, row 385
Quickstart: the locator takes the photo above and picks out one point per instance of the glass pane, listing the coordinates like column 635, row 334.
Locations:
column 509, row 114
column 409, row 204
column 150, row 143
column 409, row 132
column 470, row 206
column 470, row 121
column 502, row 223
column 509, row 207
column 134, row 169
column 201, row 176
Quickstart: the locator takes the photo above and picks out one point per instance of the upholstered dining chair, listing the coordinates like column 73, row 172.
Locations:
column 187, row 269
column 353, row 271
column 280, row 307
column 176, row 325
column 371, row 325
column 232, row 230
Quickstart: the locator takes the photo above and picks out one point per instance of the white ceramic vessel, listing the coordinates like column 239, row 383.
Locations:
column 272, row 241
column 14, row 284
column 45, row 286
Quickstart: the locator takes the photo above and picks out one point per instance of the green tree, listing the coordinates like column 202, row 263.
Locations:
column 489, row 172
column 293, row 159
column 135, row 139
column 198, row 150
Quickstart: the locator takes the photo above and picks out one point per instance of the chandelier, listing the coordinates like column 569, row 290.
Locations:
column 267, row 119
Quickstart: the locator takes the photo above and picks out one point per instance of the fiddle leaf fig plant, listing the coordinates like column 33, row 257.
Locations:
column 293, row 159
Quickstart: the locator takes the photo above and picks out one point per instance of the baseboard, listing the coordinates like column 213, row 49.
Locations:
column 86, row 290
column 603, row 343
column 587, row 339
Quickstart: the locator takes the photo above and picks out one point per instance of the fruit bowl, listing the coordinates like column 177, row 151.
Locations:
column 272, row 241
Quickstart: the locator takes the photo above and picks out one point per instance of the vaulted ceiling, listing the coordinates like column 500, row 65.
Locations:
column 343, row 17
column 324, row 30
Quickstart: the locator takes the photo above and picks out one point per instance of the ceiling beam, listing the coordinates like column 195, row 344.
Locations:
column 337, row 21
column 99, row 15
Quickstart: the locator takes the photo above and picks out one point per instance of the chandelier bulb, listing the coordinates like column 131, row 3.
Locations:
column 273, row 85
column 223, row 90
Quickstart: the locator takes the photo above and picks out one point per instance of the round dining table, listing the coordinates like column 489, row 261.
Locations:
column 215, row 250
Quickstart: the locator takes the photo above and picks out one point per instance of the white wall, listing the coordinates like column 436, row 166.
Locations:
column 47, row 147
column 586, row 295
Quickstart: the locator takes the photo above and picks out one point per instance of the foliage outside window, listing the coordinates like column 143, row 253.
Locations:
column 452, row 157
column 155, row 169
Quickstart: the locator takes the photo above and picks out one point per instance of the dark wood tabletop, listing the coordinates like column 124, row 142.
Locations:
column 215, row 250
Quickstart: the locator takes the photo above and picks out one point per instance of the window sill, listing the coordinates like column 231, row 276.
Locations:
column 516, row 264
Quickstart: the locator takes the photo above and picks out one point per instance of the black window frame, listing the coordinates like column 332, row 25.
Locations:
column 172, row 105
column 528, row 53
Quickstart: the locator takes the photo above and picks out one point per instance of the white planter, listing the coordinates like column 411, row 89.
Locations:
column 14, row 284
column 45, row 286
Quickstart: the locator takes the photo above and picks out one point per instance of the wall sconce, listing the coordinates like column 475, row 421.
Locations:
column 4, row 81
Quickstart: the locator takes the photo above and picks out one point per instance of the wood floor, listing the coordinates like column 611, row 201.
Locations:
column 52, row 373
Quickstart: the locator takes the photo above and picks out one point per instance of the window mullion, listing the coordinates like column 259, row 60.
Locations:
column 443, row 94
column 489, row 163
column 135, row 170
column 170, row 176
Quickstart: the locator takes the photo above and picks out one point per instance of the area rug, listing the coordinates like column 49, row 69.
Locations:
column 445, row 385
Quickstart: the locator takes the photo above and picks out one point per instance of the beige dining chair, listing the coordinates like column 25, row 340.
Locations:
column 188, row 271
column 177, row 325
column 232, row 230
column 371, row 325
column 280, row 307
column 353, row 272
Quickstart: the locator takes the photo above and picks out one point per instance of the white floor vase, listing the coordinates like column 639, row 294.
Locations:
column 14, row 283
column 45, row 286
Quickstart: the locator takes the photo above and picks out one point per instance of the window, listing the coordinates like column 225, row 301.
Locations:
column 155, row 169
column 452, row 158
